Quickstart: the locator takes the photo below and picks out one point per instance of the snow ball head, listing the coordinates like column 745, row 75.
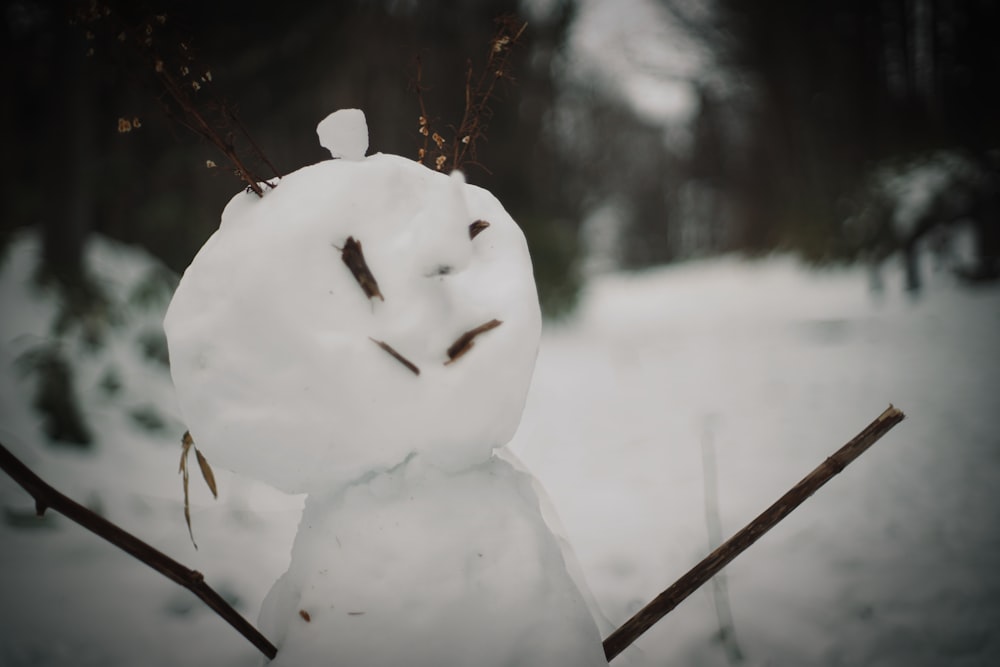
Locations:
column 362, row 311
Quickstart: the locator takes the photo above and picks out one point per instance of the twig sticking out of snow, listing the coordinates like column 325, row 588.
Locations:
column 354, row 258
column 665, row 602
column 397, row 356
column 186, row 86
column 476, row 227
column 464, row 342
column 479, row 90
column 45, row 496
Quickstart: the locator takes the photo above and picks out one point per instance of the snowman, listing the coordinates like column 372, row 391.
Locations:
column 365, row 333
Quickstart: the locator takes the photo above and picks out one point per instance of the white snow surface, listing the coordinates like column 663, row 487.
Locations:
column 426, row 568
column 273, row 342
column 892, row 563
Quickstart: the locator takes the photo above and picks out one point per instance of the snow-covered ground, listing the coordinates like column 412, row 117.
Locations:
column 766, row 365
column 892, row 563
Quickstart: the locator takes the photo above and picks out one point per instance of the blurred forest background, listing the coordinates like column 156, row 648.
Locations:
column 802, row 123
column 634, row 134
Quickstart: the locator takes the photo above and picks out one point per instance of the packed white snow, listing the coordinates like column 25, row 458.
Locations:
column 274, row 344
column 365, row 332
column 893, row 563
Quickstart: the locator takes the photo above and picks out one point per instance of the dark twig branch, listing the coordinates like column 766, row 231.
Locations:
column 476, row 227
column 464, row 342
column 354, row 257
column 423, row 121
column 45, row 497
column 666, row 601
column 477, row 99
column 185, row 87
column 460, row 149
column 397, row 356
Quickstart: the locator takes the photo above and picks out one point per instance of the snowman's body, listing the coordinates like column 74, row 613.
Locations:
column 456, row 569
column 417, row 546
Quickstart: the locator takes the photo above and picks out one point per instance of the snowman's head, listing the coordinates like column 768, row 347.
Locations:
column 363, row 310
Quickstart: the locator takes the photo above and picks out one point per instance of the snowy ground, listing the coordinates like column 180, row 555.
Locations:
column 764, row 364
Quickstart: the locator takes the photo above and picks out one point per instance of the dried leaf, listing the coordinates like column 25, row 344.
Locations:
column 397, row 356
column 187, row 442
column 206, row 472
column 187, row 519
column 354, row 258
column 464, row 342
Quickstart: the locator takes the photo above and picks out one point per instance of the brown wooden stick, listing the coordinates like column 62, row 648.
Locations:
column 464, row 342
column 397, row 356
column 662, row 604
column 45, row 496
column 476, row 227
column 354, row 258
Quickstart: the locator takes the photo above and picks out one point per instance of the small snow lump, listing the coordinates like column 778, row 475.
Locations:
column 345, row 134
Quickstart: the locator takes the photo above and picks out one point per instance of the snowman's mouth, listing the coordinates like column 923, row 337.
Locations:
column 465, row 342
column 455, row 351
column 353, row 257
column 397, row 356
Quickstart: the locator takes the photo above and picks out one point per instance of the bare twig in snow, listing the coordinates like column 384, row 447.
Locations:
column 45, row 497
column 479, row 91
column 464, row 342
column 185, row 86
column 354, row 258
column 666, row 601
column 476, row 227
column 397, row 356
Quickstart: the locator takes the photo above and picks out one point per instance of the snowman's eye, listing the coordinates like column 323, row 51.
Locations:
column 476, row 227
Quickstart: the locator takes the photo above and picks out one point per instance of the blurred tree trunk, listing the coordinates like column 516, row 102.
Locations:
column 831, row 89
column 69, row 212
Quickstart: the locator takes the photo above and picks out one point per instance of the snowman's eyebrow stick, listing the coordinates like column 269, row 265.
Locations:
column 464, row 342
column 476, row 227
column 354, row 258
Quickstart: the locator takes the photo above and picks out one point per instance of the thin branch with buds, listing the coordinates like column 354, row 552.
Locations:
column 186, row 93
column 479, row 91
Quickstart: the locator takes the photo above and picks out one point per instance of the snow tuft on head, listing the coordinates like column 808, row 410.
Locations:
column 345, row 134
